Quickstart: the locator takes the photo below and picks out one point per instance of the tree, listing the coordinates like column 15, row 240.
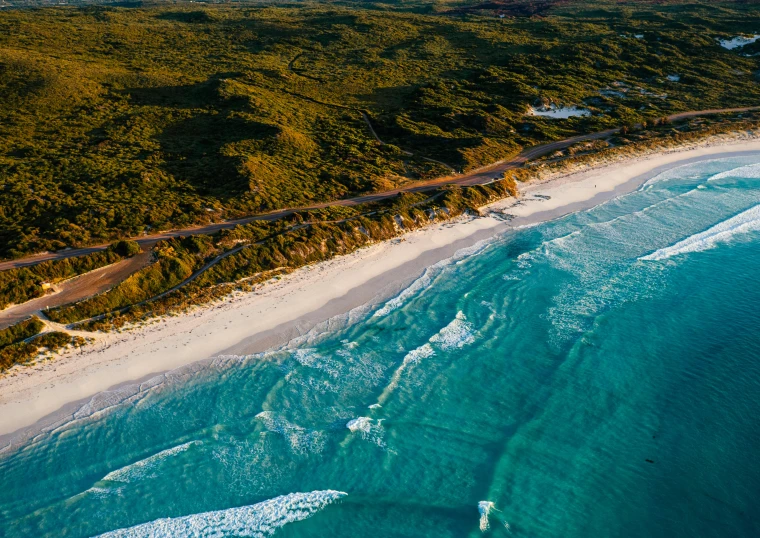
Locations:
column 126, row 248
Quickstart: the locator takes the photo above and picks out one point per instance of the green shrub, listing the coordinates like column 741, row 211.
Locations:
column 183, row 116
column 126, row 249
column 22, row 352
column 25, row 283
column 20, row 331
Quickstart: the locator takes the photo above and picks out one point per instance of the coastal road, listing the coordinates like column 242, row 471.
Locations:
column 479, row 176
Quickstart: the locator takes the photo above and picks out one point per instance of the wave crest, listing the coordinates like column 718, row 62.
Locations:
column 745, row 222
column 256, row 521
column 145, row 467
column 368, row 429
column 484, row 507
column 750, row 171
column 456, row 334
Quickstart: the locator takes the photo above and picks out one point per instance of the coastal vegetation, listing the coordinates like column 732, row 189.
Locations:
column 18, row 343
column 269, row 249
column 21, row 331
column 122, row 120
column 22, row 352
column 197, row 269
column 637, row 140
column 26, row 283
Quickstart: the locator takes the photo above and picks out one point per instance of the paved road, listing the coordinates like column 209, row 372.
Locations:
column 476, row 177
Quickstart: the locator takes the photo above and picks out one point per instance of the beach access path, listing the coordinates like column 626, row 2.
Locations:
column 278, row 311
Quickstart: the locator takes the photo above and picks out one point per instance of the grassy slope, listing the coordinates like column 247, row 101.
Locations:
column 118, row 120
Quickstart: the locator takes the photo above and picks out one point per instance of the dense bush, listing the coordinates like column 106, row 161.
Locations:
column 117, row 121
column 21, row 352
column 126, row 249
column 20, row 331
column 306, row 240
column 175, row 260
column 25, row 283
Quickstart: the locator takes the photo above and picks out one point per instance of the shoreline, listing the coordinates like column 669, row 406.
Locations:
column 36, row 397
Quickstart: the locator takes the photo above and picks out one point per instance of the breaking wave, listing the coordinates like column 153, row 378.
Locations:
column 257, row 521
column 745, row 222
column 301, row 440
column 484, row 507
column 425, row 351
column 750, row 171
column 144, row 468
column 418, row 285
column 456, row 334
column 426, row 279
column 368, row 429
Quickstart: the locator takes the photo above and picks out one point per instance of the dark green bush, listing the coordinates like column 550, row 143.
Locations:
column 22, row 352
column 20, row 331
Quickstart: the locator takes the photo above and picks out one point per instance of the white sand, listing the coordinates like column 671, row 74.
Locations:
column 278, row 311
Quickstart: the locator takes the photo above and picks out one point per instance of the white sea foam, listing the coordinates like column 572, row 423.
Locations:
column 256, row 521
column 678, row 172
column 301, row 440
column 750, row 171
column 456, row 334
column 424, row 281
column 425, row 351
column 417, row 286
column 145, row 468
column 484, row 507
column 310, row 358
column 745, row 222
column 368, row 429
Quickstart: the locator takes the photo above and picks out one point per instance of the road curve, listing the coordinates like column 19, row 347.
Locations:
column 480, row 176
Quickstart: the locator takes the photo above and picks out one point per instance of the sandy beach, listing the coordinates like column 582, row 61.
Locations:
column 278, row 311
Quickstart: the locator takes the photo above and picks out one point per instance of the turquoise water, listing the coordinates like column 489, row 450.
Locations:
column 598, row 375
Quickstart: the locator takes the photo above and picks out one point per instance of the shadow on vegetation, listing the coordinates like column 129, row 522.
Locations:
column 199, row 150
column 201, row 95
column 193, row 17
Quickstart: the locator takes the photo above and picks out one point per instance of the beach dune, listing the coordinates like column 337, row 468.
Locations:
column 280, row 310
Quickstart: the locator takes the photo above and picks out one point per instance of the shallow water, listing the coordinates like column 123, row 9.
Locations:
column 737, row 42
column 560, row 112
column 597, row 375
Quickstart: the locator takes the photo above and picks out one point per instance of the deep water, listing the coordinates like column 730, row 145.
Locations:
column 594, row 376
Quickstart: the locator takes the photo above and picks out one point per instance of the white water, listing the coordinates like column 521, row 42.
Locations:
column 368, row 429
column 142, row 468
column 750, row 171
column 456, row 334
column 743, row 223
column 301, row 440
column 484, row 507
column 256, row 521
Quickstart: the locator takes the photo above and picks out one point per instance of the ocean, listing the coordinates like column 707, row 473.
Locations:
column 596, row 375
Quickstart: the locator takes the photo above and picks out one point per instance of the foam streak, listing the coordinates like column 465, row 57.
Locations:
column 742, row 223
column 256, row 521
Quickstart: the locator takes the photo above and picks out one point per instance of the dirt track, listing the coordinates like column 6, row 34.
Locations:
column 76, row 289
column 476, row 177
